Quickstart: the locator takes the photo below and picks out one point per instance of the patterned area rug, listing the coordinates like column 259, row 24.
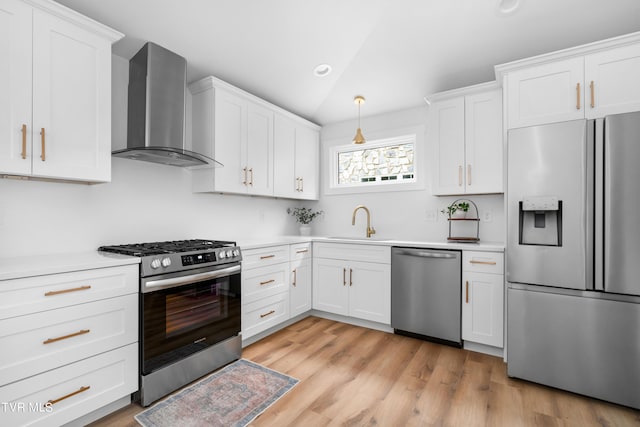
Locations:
column 232, row 396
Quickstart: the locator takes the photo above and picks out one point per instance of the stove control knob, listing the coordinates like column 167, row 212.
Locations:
column 222, row 255
column 229, row 254
column 166, row 262
column 155, row 263
column 236, row 252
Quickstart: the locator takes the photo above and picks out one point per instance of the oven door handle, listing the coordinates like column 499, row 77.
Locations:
column 154, row 285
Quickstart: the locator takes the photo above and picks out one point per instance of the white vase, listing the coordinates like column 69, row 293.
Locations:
column 305, row 230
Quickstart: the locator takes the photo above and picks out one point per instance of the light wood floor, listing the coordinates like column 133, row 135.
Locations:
column 354, row 376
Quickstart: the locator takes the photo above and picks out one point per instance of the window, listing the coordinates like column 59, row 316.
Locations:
column 382, row 162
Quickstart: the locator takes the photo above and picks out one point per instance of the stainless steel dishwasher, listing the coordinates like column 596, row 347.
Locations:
column 426, row 294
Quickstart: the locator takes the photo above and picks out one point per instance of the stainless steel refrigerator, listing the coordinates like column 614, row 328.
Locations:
column 573, row 256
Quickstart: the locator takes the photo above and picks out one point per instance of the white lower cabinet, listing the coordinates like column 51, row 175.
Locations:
column 483, row 297
column 61, row 395
column 70, row 344
column 344, row 285
column 300, row 270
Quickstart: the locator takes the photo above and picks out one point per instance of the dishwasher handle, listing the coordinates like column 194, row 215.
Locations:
column 427, row 254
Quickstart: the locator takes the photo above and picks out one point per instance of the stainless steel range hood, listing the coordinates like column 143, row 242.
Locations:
column 156, row 110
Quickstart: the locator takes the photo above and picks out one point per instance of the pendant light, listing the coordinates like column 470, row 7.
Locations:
column 359, row 138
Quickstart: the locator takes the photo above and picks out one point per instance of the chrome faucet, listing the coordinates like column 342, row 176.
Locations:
column 370, row 229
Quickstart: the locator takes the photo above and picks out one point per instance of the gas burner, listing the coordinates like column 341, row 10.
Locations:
column 167, row 247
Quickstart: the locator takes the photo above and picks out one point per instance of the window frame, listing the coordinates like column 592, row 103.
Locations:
column 413, row 135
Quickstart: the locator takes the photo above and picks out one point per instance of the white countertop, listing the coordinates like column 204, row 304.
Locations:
column 287, row 240
column 27, row 266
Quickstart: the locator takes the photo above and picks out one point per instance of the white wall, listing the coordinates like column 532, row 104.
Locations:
column 405, row 215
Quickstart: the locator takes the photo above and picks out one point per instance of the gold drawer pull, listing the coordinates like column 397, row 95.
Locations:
column 60, row 399
column 482, row 262
column 43, row 156
column 302, row 251
column 267, row 282
column 75, row 334
column 267, row 314
column 267, row 256
column 24, row 142
column 65, row 291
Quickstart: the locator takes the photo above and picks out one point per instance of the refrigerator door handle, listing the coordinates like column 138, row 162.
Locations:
column 598, row 238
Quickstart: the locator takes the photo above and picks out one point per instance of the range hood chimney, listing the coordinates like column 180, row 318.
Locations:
column 156, row 110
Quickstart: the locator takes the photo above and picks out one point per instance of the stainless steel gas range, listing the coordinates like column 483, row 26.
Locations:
column 189, row 311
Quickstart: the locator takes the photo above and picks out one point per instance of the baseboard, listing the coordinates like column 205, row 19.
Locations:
column 482, row 348
column 100, row 412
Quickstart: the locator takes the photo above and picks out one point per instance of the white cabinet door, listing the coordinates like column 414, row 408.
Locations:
column 295, row 160
column 284, row 160
column 230, row 128
column 300, row 289
column 15, row 87
column 483, row 142
column 370, row 291
column 259, row 157
column 330, row 286
column 611, row 81
column 446, row 130
column 482, row 308
column 306, row 163
column 546, row 93
column 71, row 101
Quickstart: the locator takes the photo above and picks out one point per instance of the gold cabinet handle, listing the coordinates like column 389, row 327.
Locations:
column 469, row 174
column 251, row 177
column 43, row 156
column 344, row 277
column 466, row 299
column 593, row 95
column 577, row 96
column 301, row 184
column 295, row 276
column 60, row 399
column 297, row 183
column 267, row 314
column 244, row 171
column 266, row 282
column 302, row 251
column 66, row 291
column 351, row 277
column 24, row 142
column 473, row 261
column 267, row 256
column 75, row 334
column 459, row 176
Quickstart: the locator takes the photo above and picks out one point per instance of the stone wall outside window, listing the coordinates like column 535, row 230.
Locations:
column 378, row 164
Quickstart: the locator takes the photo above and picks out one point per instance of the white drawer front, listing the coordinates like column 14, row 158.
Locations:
column 39, row 293
column 483, row 262
column 353, row 252
column 47, row 340
column 263, row 314
column 108, row 376
column 253, row 258
column 300, row 251
column 262, row 282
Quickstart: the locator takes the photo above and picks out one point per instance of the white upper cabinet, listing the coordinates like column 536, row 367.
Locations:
column 588, row 81
column 56, row 118
column 296, row 159
column 465, row 128
column 263, row 151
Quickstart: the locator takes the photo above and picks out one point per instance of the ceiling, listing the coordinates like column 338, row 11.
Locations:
column 392, row 52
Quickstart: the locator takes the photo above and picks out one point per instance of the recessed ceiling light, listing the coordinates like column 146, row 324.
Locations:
column 507, row 7
column 322, row 70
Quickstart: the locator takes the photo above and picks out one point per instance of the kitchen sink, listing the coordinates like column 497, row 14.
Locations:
column 361, row 239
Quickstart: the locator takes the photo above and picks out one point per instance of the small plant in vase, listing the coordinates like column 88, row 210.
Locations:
column 304, row 216
column 458, row 209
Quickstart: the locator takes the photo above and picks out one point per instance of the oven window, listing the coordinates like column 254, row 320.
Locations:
column 190, row 309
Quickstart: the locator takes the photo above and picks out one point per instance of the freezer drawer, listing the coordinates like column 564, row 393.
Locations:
column 576, row 343
column 426, row 293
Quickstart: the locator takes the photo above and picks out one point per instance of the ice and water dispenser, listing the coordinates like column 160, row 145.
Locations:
column 540, row 221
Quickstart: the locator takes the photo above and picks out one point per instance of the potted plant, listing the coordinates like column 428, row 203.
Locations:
column 461, row 208
column 304, row 216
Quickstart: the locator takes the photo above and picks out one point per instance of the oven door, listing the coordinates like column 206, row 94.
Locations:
column 184, row 313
